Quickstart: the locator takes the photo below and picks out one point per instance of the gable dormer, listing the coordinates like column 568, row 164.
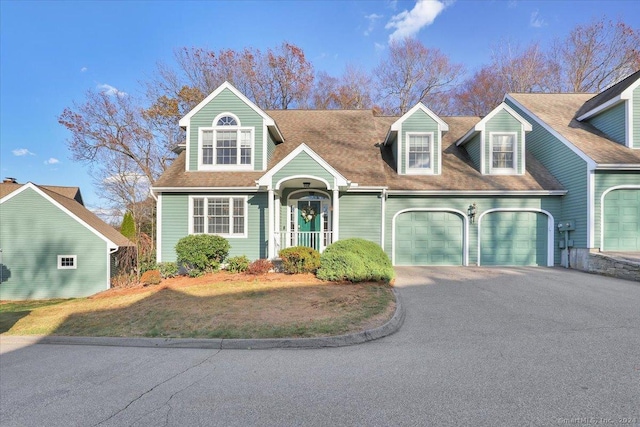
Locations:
column 616, row 111
column 416, row 141
column 228, row 132
column 496, row 144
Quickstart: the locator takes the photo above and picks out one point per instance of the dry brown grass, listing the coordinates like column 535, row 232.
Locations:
column 221, row 305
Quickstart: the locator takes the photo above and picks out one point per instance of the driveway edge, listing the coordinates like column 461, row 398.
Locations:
column 388, row 328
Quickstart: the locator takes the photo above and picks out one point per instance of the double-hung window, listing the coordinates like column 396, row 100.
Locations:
column 420, row 152
column 226, row 144
column 226, row 216
column 503, row 152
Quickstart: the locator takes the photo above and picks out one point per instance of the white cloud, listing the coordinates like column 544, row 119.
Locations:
column 409, row 23
column 373, row 18
column 83, row 69
column 51, row 161
column 512, row 4
column 110, row 90
column 379, row 47
column 536, row 20
column 22, row 152
column 392, row 4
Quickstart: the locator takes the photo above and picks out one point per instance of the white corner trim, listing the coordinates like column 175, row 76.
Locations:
column 604, row 193
column 159, row 228
column 550, row 229
column 266, row 179
column 465, row 231
column 110, row 244
column 591, row 207
column 590, row 162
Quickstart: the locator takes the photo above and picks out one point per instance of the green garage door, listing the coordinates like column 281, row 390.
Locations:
column 622, row 220
column 514, row 238
column 428, row 238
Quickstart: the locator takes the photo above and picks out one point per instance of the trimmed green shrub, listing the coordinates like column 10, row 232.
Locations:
column 168, row 269
column 238, row 264
column 355, row 260
column 299, row 259
column 260, row 266
column 200, row 253
column 151, row 277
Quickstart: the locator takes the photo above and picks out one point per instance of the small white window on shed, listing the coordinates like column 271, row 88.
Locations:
column 67, row 262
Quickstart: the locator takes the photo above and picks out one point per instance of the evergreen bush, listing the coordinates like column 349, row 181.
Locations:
column 238, row 264
column 200, row 253
column 300, row 259
column 355, row 260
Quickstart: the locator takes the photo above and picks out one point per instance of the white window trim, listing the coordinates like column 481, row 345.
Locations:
column 66, row 267
column 214, row 128
column 504, row 171
column 420, row 171
column 221, row 196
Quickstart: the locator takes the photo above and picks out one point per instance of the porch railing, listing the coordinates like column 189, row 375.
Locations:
column 317, row 240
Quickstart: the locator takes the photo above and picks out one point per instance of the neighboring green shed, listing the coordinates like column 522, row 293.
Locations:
column 51, row 246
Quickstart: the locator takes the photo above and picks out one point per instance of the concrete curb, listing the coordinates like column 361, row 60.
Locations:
column 388, row 328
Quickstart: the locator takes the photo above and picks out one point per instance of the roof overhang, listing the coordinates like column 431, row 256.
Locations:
column 625, row 167
column 625, row 95
column 480, row 126
column 397, row 125
column 476, row 193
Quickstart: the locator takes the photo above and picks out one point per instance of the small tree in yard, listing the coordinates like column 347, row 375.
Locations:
column 128, row 227
column 200, row 253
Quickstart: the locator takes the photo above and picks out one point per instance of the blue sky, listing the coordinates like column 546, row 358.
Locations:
column 52, row 52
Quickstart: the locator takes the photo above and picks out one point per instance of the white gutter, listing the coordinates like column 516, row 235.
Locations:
column 476, row 193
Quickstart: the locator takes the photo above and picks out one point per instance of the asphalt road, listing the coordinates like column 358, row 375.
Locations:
column 527, row 346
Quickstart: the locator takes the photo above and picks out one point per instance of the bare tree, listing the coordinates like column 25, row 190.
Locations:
column 411, row 73
column 351, row 91
column 597, row 55
column 524, row 70
column 481, row 93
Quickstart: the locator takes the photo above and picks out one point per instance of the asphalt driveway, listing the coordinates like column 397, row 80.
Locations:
column 479, row 346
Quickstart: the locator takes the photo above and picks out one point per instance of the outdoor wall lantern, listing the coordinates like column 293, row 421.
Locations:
column 306, row 184
column 471, row 211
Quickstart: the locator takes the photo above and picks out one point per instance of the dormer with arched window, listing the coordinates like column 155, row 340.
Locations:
column 226, row 144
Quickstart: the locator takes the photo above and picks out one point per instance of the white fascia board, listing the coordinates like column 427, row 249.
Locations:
column 467, row 137
column 226, row 85
column 630, row 166
column 444, row 127
column 110, row 244
column 625, row 95
column 591, row 164
column 503, row 106
column 456, row 193
column 266, row 179
column 365, row 189
column 159, row 190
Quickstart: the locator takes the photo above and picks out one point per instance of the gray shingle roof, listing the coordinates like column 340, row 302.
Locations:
column 559, row 112
column 71, row 204
column 351, row 141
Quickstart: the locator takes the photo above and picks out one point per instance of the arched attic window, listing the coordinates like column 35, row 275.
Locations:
column 227, row 143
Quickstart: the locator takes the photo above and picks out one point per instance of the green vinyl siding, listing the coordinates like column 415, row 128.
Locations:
column 429, row 238
column 396, row 204
column 175, row 225
column 33, row 232
column 606, row 180
column 420, row 122
column 612, row 122
column 226, row 102
column 568, row 168
column 360, row 216
column 271, row 147
column 503, row 122
column 514, row 238
column 303, row 164
column 635, row 118
column 473, row 148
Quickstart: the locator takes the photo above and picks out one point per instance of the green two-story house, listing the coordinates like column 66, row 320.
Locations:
column 537, row 178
